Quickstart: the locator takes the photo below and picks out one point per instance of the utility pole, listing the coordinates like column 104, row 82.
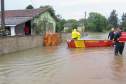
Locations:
column 85, row 19
column 2, row 16
column 84, row 22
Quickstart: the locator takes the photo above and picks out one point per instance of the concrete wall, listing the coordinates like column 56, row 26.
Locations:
column 13, row 44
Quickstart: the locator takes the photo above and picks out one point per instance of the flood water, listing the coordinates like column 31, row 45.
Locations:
column 61, row 65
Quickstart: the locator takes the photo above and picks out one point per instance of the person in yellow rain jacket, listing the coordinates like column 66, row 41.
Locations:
column 75, row 34
column 78, row 35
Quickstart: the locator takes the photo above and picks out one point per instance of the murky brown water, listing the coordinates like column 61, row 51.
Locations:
column 60, row 65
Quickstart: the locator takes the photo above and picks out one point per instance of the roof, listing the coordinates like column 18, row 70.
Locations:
column 24, row 13
column 16, row 20
column 15, row 17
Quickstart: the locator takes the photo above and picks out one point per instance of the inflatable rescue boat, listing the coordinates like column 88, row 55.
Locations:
column 94, row 43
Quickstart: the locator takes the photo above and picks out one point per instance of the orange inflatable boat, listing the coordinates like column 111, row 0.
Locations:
column 94, row 43
column 88, row 43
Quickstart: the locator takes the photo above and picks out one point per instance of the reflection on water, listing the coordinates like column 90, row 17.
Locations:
column 60, row 65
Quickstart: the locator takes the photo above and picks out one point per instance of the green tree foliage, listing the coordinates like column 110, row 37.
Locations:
column 96, row 22
column 70, row 25
column 29, row 7
column 60, row 24
column 113, row 19
column 123, row 23
column 73, row 22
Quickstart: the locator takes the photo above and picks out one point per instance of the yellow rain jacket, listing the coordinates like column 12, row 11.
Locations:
column 74, row 34
column 78, row 35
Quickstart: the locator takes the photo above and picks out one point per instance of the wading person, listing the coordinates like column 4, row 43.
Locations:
column 111, row 34
column 119, row 46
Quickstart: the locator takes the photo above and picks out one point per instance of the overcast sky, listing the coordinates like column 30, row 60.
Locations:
column 72, row 8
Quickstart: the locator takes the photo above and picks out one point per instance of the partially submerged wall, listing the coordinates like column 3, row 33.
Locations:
column 13, row 44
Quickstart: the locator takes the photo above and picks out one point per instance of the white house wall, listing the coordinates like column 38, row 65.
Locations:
column 12, row 28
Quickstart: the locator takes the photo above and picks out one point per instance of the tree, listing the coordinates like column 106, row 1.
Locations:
column 60, row 24
column 96, row 22
column 113, row 19
column 29, row 7
column 73, row 22
column 51, row 9
column 123, row 23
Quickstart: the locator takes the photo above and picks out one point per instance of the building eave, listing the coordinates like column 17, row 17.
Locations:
column 9, row 25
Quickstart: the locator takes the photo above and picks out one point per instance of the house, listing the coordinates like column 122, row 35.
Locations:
column 68, row 26
column 29, row 21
